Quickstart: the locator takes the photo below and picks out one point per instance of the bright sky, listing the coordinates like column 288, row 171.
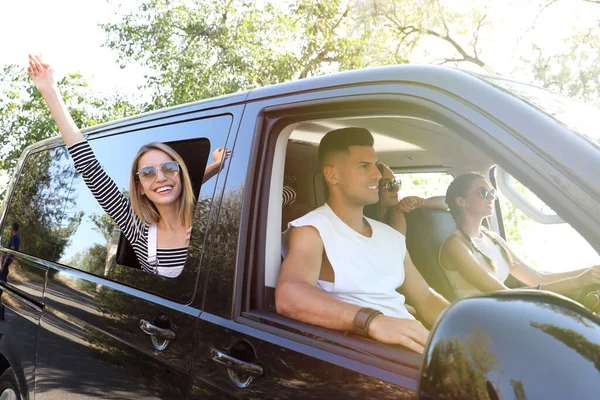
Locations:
column 67, row 35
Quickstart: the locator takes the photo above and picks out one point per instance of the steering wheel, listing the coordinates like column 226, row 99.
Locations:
column 590, row 298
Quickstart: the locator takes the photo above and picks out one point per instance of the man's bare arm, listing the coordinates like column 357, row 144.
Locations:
column 297, row 296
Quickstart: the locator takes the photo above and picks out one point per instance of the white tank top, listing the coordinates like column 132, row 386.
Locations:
column 462, row 287
column 368, row 270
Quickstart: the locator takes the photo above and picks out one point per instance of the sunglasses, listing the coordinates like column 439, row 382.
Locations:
column 170, row 169
column 391, row 186
column 485, row 192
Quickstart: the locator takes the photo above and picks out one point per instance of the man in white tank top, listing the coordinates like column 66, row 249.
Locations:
column 341, row 270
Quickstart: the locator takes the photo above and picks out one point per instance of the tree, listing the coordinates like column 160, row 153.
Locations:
column 199, row 49
column 38, row 204
column 408, row 23
column 25, row 119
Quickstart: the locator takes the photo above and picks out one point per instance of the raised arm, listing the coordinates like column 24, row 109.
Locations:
column 220, row 155
column 114, row 203
column 298, row 297
column 42, row 76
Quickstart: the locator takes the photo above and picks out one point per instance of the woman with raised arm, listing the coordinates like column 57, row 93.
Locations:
column 478, row 260
column 157, row 218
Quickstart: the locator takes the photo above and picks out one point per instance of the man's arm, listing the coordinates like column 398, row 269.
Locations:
column 297, row 296
column 428, row 302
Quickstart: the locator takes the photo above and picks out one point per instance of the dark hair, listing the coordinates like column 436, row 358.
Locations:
column 15, row 226
column 459, row 188
column 339, row 140
column 372, row 210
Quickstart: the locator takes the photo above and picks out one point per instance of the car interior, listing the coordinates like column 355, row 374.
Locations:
column 406, row 144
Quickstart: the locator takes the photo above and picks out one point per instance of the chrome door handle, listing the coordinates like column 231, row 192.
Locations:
column 154, row 331
column 233, row 363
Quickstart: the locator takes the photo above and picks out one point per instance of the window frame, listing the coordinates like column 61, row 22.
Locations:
column 253, row 308
column 169, row 288
column 481, row 129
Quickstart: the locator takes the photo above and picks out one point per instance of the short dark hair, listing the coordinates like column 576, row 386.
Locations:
column 339, row 140
column 15, row 226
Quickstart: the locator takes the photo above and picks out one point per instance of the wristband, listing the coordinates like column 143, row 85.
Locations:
column 363, row 319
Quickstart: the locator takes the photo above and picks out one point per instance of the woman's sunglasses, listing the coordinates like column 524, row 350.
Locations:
column 485, row 192
column 391, row 186
column 170, row 169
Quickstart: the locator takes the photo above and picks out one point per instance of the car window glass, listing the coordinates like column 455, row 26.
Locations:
column 548, row 246
column 423, row 184
column 38, row 205
column 70, row 226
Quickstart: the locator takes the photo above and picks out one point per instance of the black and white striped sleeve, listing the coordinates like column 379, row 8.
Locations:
column 104, row 189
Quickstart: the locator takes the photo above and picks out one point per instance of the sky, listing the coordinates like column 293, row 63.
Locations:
column 67, row 35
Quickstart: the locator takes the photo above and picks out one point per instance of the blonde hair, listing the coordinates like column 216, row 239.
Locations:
column 145, row 208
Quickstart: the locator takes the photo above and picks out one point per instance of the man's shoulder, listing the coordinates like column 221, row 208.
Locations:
column 384, row 229
column 318, row 214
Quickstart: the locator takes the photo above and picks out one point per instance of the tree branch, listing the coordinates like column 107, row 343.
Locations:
column 457, row 47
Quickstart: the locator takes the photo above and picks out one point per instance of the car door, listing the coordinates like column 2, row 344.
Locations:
column 247, row 355
column 22, row 278
column 111, row 330
column 243, row 349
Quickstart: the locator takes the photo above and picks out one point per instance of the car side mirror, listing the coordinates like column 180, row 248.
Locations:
column 513, row 344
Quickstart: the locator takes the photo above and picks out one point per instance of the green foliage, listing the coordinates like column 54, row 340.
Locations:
column 38, row 203
column 199, row 49
column 25, row 119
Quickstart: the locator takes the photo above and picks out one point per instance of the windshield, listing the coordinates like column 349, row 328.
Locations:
column 581, row 118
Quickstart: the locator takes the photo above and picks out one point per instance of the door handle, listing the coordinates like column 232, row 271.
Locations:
column 235, row 364
column 156, row 332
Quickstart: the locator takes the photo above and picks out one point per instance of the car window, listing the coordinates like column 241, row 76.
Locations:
column 79, row 234
column 424, row 184
column 38, row 204
column 551, row 247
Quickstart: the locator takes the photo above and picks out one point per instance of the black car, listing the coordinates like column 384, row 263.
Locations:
column 79, row 319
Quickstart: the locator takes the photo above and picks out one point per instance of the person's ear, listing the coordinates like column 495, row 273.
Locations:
column 460, row 201
column 330, row 173
column 141, row 188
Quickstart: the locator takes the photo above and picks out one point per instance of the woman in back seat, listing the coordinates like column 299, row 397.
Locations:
column 478, row 260
column 389, row 209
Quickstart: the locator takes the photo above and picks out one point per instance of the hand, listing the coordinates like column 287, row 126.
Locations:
column 221, row 154
column 188, row 234
column 588, row 277
column 41, row 74
column 407, row 332
column 409, row 203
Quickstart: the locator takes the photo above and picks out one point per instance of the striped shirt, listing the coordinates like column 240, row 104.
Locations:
column 118, row 207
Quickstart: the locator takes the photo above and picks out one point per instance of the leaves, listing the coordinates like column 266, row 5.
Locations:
column 198, row 49
column 25, row 119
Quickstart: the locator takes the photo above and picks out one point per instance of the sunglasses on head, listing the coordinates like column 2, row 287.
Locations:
column 170, row 169
column 391, row 186
column 485, row 192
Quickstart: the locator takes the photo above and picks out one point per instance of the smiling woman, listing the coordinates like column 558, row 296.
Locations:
column 477, row 260
column 157, row 220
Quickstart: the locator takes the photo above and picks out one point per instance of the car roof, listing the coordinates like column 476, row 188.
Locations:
column 459, row 82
